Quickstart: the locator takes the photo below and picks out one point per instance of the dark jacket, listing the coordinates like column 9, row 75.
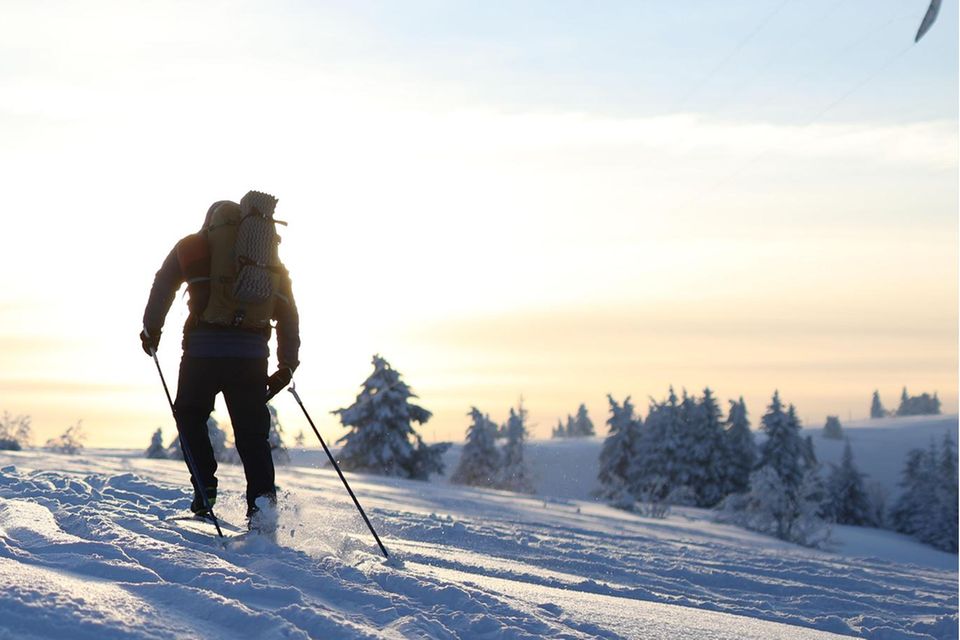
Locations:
column 201, row 339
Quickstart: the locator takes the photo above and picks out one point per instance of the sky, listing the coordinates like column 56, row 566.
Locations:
column 546, row 200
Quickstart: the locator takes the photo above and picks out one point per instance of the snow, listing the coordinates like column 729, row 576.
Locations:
column 85, row 549
column 85, row 552
column 880, row 446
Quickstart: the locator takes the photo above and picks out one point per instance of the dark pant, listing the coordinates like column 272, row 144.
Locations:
column 243, row 382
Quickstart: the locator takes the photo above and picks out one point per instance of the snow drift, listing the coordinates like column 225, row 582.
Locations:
column 86, row 552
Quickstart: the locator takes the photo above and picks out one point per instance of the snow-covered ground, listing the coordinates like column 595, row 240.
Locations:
column 85, row 553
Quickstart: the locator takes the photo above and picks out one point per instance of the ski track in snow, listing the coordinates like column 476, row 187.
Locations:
column 85, row 553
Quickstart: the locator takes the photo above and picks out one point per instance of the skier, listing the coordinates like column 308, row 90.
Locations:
column 236, row 285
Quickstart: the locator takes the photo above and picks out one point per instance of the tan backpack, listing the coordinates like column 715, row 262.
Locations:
column 245, row 267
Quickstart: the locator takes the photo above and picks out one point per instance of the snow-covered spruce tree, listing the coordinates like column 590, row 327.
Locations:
column 514, row 473
column 927, row 508
column 70, row 441
column 762, row 507
column 917, row 486
column 705, row 451
column 847, row 499
column 789, row 457
column 174, row 452
column 479, row 464
column 617, row 454
column 571, row 427
column 877, row 496
column 278, row 449
column 300, row 440
column 655, row 472
column 222, row 451
column 784, row 450
column 768, row 507
column 381, row 439
column 876, row 407
column 943, row 534
column 582, row 424
column 930, row 516
column 559, row 431
column 832, row 428
column 156, row 450
column 740, row 449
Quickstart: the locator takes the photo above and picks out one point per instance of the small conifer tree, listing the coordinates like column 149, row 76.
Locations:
column 740, row 448
column 156, row 450
column 705, row 450
column 278, row 449
column 876, row 407
column 786, row 493
column 657, row 471
column 222, row 451
column 847, row 500
column 927, row 507
column 943, row 534
column 916, row 484
column 480, row 460
column 514, row 473
column 582, row 424
column 832, row 428
column 559, row 431
column 382, row 439
column 617, row 454
column 784, row 450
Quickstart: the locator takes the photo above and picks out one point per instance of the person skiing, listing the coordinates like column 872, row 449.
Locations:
column 236, row 285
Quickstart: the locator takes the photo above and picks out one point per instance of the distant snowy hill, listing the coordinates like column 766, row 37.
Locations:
column 86, row 552
column 881, row 446
column 567, row 467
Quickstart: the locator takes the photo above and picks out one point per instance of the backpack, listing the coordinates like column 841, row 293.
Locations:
column 245, row 267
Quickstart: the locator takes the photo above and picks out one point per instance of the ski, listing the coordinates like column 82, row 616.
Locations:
column 192, row 517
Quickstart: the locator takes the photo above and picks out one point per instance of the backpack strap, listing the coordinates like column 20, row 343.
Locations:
column 193, row 255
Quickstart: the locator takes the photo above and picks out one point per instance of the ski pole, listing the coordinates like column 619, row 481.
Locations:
column 293, row 390
column 186, row 450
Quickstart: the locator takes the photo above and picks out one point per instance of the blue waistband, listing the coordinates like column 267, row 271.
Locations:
column 226, row 344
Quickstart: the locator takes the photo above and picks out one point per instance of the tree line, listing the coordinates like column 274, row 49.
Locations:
column 921, row 405
column 685, row 452
column 223, row 449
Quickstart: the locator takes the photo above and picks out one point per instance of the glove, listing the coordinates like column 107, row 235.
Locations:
column 150, row 340
column 278, row 381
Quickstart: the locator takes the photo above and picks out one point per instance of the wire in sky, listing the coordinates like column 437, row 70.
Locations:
column 720, row 65
column 817, row 116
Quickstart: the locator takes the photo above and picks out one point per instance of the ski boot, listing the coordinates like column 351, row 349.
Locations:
column 198, row 508
column 262, row 516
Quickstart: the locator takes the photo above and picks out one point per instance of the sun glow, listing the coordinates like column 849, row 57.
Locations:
column 486, row 251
